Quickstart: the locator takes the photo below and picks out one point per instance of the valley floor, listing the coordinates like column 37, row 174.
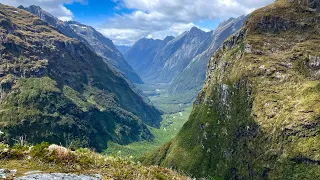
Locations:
column 176, row 109
column 170, row 126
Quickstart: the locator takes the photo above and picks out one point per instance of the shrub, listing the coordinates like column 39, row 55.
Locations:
column 18, row 151
column 160, row 177
column 40, row 150
column 4, row 149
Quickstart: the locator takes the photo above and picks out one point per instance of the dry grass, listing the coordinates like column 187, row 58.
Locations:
column 59, row 151
column 55, row 158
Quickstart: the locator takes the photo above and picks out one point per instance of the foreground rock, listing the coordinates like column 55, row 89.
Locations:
column 6, row 173
column 58, row 176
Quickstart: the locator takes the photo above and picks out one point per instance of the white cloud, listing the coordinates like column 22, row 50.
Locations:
column 190, row 10
column 54, row 7
column 123, row 36
column 130, row 36
column 160, row 18
column 152, row 18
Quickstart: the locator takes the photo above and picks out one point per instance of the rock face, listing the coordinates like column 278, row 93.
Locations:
column 193, row 76
column 176, row 55
column 314, row 4
column 92, row 38
column 142, row 53
column 62, row 90
column 170, row 56
column 314, row 62
column 257, row 116
column 106, row 49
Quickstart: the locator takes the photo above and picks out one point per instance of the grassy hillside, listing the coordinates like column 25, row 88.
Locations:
column 55, row 89
column 257, row 116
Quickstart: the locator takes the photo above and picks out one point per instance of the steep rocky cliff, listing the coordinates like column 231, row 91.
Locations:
column 142, row 53
column 106, row 49
column 92, row 38
column 176, row 55
column 167, row 58
column 54, row 88
column 193, row 76
column 258, row 114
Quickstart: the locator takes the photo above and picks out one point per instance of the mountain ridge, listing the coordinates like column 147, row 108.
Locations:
column 62, row 90
column 158, row 67
column 197, row 65
column 92, row 38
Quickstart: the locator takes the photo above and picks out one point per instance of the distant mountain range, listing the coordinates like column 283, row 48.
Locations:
column 180, row 61
column 194, row 74
column 92, row 38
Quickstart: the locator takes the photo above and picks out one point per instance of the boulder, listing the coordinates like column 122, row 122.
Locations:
column 314, row 62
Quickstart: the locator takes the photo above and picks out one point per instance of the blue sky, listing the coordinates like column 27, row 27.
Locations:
column 126, row 21
column 95, row 13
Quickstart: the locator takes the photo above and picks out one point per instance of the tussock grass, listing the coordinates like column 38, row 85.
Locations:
column 54, row 158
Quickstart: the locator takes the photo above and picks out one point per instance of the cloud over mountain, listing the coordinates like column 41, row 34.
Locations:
column 55, row 7
column 160, row 18
column 132, row 20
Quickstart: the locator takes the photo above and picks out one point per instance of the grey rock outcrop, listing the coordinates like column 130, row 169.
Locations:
column 140, row 56
column 314, row 4
column 105, row 48
column 196, row 67
column 59, row 176
column 6, row 173
column 274, row 24
column 314, row 62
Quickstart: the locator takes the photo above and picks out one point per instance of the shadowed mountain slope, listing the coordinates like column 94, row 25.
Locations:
column 54, row 88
